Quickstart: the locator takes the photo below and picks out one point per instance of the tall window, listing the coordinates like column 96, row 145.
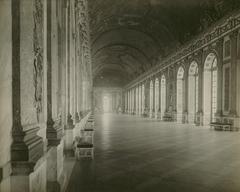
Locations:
column 210, row 88
column 180, row 83
column 156, row 97
column 192, row 92
column 163, row 96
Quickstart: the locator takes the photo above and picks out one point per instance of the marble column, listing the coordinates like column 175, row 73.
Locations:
column 233, row 99
column 27, row 146
column 136, row 108
column 237, row 124
column 54, row 129
column 71, row 56
column 168, row 95
column 185, row 94
column 174, row 94
column 6, row 94
column 153, row 97
column 146, row 99
column 200, row 93
column 68, row 149
column 140, row 99
column 219, row 46
column 143, row 98
column 125, row 102
column 63, row 61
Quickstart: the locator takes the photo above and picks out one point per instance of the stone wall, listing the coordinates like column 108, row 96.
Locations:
column 45, row 90
column 5, row 90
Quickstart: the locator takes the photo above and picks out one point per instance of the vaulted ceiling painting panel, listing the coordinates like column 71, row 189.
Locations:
column 130, row 36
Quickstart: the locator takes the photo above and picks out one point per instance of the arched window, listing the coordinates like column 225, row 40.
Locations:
column 143, row 99
column 192, row 92
column 180, row 83
column 163, row 96
column 156, row 107
column 151, row 99
column 210, row 88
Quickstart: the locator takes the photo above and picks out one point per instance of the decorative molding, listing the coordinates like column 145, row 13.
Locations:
column 26, row 150
column 219, row 30
column 54, row 132
column 25, row 145
column 38, row 55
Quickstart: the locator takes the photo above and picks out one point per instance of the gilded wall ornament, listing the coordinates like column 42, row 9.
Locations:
column 38, row 56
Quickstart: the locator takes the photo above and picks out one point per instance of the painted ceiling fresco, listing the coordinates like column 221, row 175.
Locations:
column 130, row 36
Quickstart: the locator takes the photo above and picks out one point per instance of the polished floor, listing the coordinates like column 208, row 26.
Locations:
column 137, row 154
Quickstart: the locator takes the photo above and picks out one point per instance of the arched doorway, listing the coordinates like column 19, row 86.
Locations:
column 143, row 99
column 156, row 107
column 151, row 99
column 210, row 89
column 180, row 84
column 163, row 96
column 193, row 92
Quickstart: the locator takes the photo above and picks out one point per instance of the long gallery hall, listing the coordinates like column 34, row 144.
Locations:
column 119, row 95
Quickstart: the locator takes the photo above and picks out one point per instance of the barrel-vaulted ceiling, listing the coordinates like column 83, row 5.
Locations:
column 130, row 36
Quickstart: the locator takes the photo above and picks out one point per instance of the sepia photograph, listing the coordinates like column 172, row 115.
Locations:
column 119, row 95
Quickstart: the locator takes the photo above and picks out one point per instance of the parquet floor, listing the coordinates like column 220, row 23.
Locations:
column 138, row 154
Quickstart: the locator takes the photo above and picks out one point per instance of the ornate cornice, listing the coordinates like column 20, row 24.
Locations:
column 220, row 29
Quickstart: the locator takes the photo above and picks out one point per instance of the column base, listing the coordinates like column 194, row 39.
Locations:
column 70, row 124
column 30, row 181
column 27, row 148
column 77, row 118
column 54, row 133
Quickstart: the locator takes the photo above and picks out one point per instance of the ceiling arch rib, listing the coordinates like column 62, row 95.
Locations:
column 111, row 66
column 122, row 47
column 133, row 38
column 155, row 28
column 131, row 59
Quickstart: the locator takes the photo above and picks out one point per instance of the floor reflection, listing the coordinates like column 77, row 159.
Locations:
column 145, row 155
column 136, row 154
